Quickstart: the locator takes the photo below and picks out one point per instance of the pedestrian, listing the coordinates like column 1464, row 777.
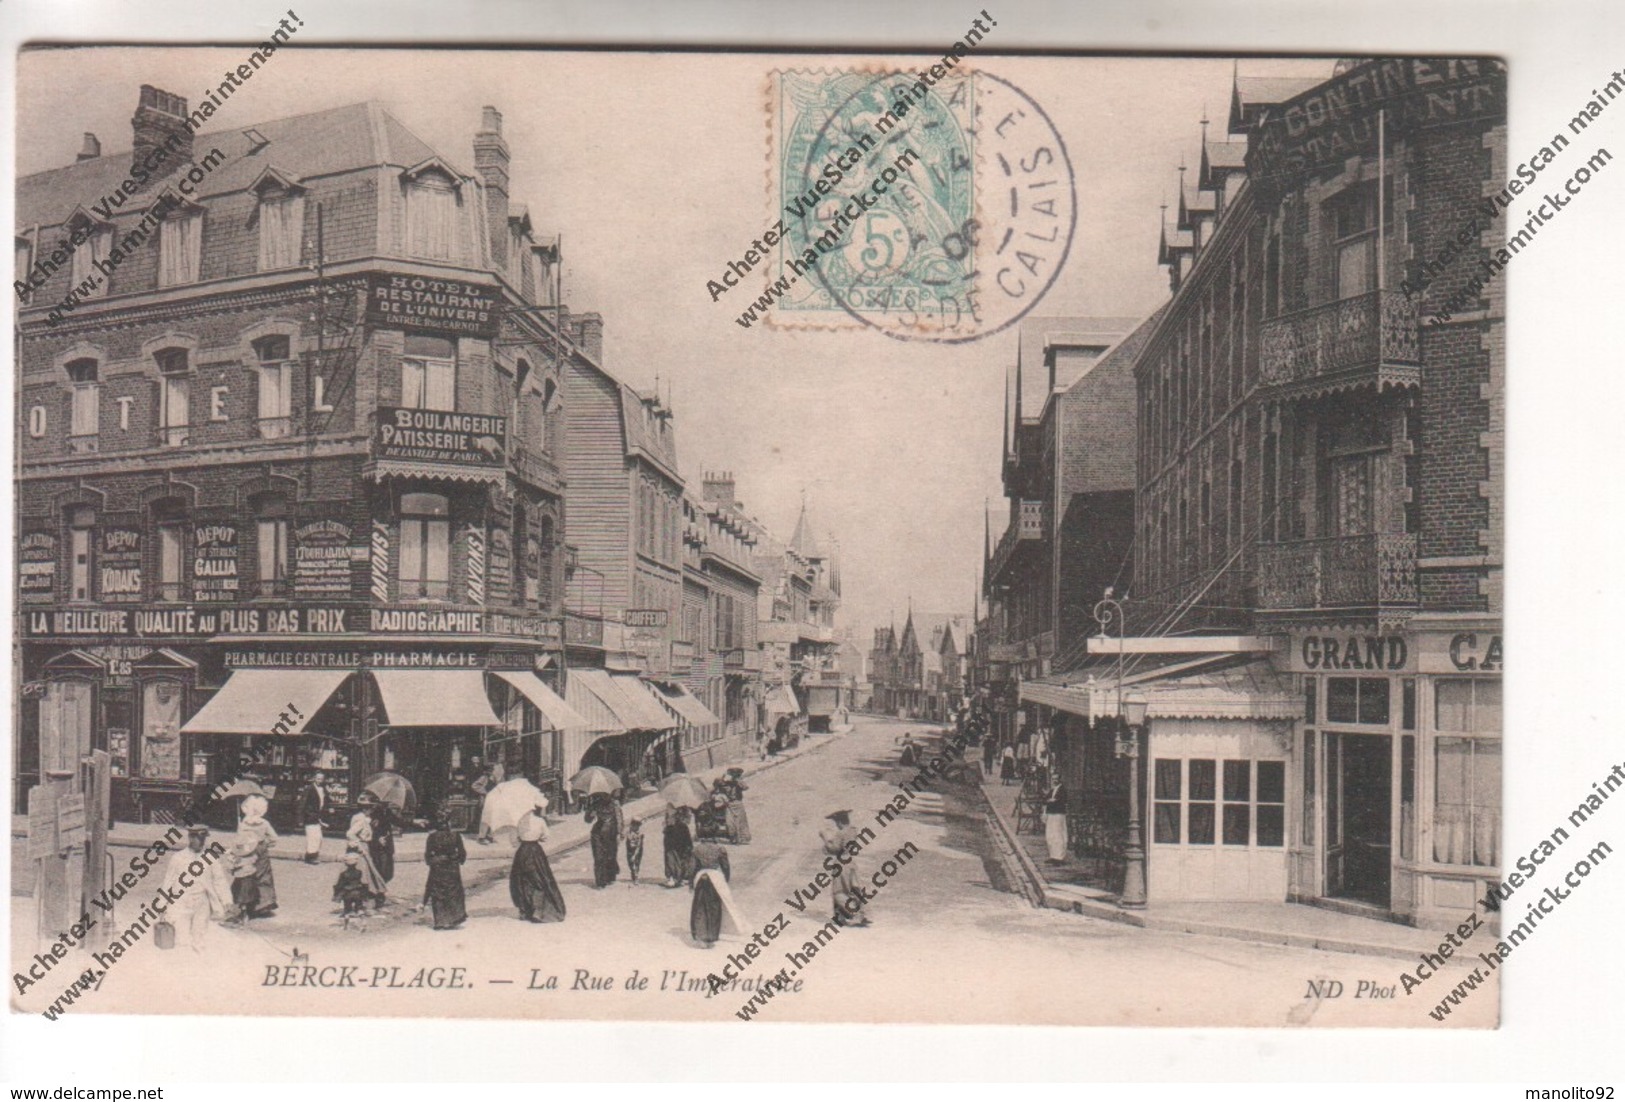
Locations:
column 604, row 813
column 678, row 842
column 312, row 803
column 712, row 897
column 358, row 841
column 351, row 888
column 838, row 841
column 482, row 786
column 634, row 848
column 1007, row 765
column 733, row 787
column 381, row 848
column 444, row 853
column 989, row 748
column 910, row 752
column 255, row 837
column 1055, row 823
column 195, row 897
column 530, row 881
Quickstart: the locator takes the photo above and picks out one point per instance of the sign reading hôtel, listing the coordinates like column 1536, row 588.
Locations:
column 433, row 305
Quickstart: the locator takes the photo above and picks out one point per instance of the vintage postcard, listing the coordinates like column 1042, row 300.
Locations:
column 954, row 535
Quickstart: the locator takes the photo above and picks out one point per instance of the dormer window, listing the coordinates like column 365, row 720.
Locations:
column 282, row 226
column 84, row 421
column 431, row 214
column 180, row 248
column 95, row 243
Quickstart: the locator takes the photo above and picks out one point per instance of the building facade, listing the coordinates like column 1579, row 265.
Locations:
column 293, row 450
column 1320, row 505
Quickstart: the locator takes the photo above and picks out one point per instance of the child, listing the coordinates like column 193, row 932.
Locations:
column 634, row 847
column 245, row 888
column 351, row 888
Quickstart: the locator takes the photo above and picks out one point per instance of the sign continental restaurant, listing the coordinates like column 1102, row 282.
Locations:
column 1338, row 119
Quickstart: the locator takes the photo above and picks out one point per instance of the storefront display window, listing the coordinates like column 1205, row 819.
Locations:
column 1467, row 772
column 1357, row 700
column 1271, row 803
column 1309, row 788
column 1201, row 812
column 64, row 720
column 160, row 730
column 1165, row 822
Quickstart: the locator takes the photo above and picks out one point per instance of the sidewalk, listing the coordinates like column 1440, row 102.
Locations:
column 1062, row 887
column 564, row 833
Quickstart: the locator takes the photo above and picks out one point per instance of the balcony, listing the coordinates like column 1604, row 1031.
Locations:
column 583, row 630
column 1343, row 572
column 740, row 660
column 1367, row 340
column 1025, row 531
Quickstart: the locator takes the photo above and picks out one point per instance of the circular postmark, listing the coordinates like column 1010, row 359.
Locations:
column 941, row 211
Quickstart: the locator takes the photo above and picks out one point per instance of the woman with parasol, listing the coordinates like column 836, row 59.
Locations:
column 530, row 882
column 386, row 797
column 359, row 839
column 444, row 853
column 604, row 813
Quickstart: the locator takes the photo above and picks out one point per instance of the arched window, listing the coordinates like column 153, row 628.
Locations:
column 170, row 522
column 425, row 547
column 282, row 227
column 271, row 543
column 275, row 369
column 431, row 216
column 84, row 422
column 95, row 243
column 180, row 248
column 545, row 565
column 174, row 399
column 81, row 535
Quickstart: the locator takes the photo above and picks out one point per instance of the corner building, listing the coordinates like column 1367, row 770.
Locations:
column 288, row 494
column 1315, row 620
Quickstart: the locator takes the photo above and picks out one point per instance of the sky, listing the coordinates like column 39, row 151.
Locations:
column 653, row 167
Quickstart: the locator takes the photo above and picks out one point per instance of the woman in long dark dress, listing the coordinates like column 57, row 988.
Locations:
column 705, row 913
column 381, row 847
column 530, row 882
column 733, row 786
column 444, row 853
column 678, row 841
column 604, row 815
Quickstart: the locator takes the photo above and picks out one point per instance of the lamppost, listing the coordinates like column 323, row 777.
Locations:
column 1130, row 721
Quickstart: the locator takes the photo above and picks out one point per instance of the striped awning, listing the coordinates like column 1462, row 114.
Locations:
column 558, row 714
column 252, row 702
column 643, row 699
column 435, row 698
column 685, row 705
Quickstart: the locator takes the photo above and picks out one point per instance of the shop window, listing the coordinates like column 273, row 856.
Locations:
column 282, row 230
column 431, row 216
column 161, row 730
column 1165, row 802
column 64, row 723
column 425, row 547
column 81, row 533
column 174, row 396
column 170, row 520
column 1270, row 804
column 1357, row 700
column 275, row 371
column 1466, row 801
column 84, row 420
column 1309, row 788
column 1200, row 812
column 1467, row 704
column 1407, row 707
column 271, row 543
column 1407, row 798
column 180, row 250
column 1238, row 812
column 429, row 374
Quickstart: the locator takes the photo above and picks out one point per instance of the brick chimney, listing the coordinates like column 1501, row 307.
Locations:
column 491, row 162
column 160, row 118
column 91, row 149
column 718, row 488
column 589, row 334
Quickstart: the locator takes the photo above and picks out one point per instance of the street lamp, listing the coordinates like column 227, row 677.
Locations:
column 1130, row 721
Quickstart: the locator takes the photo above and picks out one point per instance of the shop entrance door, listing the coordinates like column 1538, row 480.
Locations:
column 1359, row 808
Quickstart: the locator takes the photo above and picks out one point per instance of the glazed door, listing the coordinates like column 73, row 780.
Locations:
column 1359, row 779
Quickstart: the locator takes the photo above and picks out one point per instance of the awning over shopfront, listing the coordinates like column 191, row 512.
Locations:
column 558, row 714
column 435, row 698
column 252, row 701
column 1250, row 691
column 686, row 705
column 782, row 698
column 591, row 693
column 643, row 699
